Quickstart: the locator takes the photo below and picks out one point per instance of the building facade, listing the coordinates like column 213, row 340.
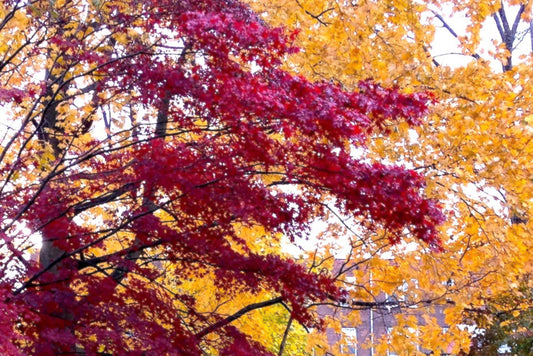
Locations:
column 376, row 322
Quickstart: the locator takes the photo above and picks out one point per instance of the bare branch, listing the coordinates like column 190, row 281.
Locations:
column 517, row 19
column 237, row 315
column 454, row 34
column 285, row 335
column 318, row 16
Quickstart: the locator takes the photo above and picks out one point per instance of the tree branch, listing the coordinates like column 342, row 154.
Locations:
column 102, row 199
column 499, row 26
column 317, row 17
column 503, row 17
column 285, row 335
column 237, row 315
column 531, row 34
column 454, row 34
column 507, row 34
column 517, row 19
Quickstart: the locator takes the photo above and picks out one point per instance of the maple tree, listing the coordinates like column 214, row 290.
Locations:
column 475, row 152
column 139, row 139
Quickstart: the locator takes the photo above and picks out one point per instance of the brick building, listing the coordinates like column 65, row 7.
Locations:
column 375, row 322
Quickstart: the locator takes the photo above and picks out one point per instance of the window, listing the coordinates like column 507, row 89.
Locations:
column 350, row 279
column 345, row 302
column 349, row 282
column 406, row 291
column 402, row 291
column 349, row 336
column 349, row 349
column 391, row 301
column 390, row 352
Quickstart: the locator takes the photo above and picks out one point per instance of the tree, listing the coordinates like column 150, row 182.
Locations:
column 270, row 326
column 475, row 150
column 140, row 137
column 505, row 325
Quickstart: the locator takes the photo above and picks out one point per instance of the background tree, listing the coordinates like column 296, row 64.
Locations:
column 270, row 326
column 475, row 151
column 506, row 326
column 139, row 139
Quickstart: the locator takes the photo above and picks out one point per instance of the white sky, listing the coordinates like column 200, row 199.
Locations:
column 445, row 47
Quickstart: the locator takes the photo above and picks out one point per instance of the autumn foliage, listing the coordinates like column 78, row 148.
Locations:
column 475, row 150
column 140, row 137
